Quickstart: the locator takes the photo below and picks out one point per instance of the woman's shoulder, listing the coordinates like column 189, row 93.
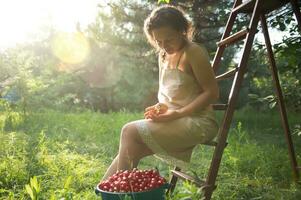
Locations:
column 196, row 49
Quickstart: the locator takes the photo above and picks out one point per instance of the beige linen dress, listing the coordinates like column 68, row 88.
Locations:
column 173, row 141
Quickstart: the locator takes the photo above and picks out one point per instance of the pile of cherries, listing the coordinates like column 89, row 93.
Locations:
column 136, row 180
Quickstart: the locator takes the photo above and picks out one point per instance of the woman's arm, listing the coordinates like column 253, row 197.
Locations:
column 199, row 61
column 201, row 68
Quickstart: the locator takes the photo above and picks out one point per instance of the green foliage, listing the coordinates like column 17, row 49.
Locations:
column 69, row 152
column 13, row 165
column 297, row 130
column 121, row 57
column 163, row 1
column 188, row 191
column 33, row 189
column 290, row 69
column 121, row 33
column 289, row 66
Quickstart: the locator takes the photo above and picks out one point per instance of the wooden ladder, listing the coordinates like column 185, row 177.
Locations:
column 258, row 9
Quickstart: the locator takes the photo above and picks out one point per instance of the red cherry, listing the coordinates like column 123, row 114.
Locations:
column 132, row 181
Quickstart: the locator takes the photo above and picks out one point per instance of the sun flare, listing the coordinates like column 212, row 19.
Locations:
column 71, row 48
column 23, row 21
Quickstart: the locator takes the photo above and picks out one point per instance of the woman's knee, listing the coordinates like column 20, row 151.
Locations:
column 129, row 134
column 132, row 143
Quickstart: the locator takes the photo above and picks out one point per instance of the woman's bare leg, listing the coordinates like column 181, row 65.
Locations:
column 111, row 169
column 131, row 148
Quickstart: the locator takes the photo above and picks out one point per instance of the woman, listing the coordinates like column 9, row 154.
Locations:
column 187, row 88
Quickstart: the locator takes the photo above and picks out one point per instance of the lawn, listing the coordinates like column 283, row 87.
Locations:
column 69, row 152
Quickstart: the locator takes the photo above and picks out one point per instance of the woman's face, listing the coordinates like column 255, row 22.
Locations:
column 168, row 39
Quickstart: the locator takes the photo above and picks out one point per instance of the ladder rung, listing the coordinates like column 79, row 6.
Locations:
column 299, row 167
column 266, row 6
column 213, row 143
column 227, row 74
column 183, row 176
column 244, row 6
column 233, row 38
column 220, row 106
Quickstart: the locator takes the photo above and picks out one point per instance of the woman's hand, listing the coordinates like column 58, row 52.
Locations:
column 167, row 116
column 155, row 110
column 160, row 113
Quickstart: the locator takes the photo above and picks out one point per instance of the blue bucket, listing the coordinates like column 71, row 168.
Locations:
column 154, row 194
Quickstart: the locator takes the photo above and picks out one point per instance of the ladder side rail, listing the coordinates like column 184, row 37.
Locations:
column 297, row 12
column 223, row 132
column 279, row 94
column 220, row 50
column 173, row 181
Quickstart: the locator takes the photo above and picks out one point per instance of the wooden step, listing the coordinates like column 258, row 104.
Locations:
column 213, row 143
column 220, row 106
column 244, row 7
column 266, row 7
column 233, row 38
column 183, row 176
column 227, row 74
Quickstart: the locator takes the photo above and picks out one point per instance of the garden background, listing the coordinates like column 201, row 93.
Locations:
column 64, row 97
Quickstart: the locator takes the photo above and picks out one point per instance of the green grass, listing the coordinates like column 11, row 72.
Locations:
column 69, row 152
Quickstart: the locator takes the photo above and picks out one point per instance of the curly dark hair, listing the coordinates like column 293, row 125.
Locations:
column 167, row 15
